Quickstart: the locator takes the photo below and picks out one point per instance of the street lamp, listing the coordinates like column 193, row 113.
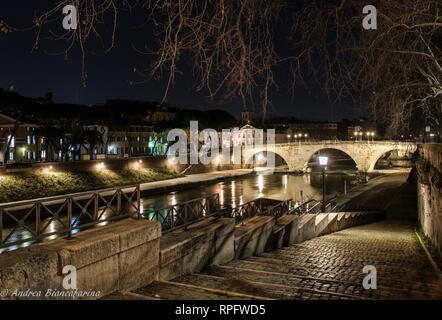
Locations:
column 323, row 160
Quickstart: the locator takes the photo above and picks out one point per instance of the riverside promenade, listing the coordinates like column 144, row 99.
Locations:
column 192, row 180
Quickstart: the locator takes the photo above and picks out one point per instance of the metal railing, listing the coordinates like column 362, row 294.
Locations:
column 261, row 207
column 246, row 211
column 26, row 222
column 185, row 213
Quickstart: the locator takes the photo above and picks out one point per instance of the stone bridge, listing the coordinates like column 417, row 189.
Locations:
column 364, row 153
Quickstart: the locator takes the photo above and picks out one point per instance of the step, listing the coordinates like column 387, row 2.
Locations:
column 298, row 284
column 252, row 237
column 353, row 289
column 169, row 290
column 265, row 289
column 345, row 273
column 127, row 296
column 316, row 258
column 284, row 231
column 238, row 285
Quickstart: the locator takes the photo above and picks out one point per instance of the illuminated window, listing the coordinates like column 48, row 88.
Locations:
column 12, row 144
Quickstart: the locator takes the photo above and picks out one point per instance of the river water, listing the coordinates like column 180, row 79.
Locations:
column 237, row 191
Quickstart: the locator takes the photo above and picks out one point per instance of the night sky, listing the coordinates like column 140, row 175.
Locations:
column 33, row 74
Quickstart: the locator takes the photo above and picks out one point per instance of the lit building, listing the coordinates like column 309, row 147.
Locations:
column 18, row 141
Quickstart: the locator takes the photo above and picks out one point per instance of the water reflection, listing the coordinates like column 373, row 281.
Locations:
column 239, row 191
column 260, row 185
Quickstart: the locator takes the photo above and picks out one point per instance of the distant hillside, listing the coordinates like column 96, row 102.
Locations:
column 116, row 111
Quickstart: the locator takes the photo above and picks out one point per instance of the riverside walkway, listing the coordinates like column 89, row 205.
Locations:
column 193, row 179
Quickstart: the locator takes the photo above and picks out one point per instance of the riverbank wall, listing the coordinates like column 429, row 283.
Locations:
column 429, row 191
column 116, row 164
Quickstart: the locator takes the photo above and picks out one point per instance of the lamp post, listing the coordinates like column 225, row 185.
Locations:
column 323, row 160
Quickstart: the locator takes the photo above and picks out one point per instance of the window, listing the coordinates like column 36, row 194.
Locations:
column 28, row 140
column 12, row 144
column 11, row 155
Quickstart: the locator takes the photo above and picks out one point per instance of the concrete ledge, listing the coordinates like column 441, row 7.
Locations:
column 252, row 237
column 306, row 227
column 120, row 256
column 321, row 222
column 282, row 231
column 210, row 241
column 343, row 220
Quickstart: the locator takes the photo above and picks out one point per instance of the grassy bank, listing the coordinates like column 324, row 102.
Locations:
column 15, row 187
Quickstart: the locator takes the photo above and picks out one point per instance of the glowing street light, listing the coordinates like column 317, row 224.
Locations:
column 323, row 161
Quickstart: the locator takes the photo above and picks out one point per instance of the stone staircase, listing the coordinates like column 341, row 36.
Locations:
column 325, row 268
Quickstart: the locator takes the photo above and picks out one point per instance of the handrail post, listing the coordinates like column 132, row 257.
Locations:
column 119, row 201
column 208, row 205
column 1, row 226
column 37, row 218
column 138, row 202
column 185, row 216
column 70, row 217
column 95, row 206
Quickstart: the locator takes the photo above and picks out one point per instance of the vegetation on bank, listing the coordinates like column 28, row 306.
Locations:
column 429, row 244
column 15, row 187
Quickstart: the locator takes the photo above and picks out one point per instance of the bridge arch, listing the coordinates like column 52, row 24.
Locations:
column 259, row 157
column 335, row 155
column 376, row 157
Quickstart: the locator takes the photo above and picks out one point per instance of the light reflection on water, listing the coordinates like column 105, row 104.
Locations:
column 241, row 190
